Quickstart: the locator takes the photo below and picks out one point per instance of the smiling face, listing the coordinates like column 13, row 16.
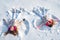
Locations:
column 50, row 23
column 13, row 28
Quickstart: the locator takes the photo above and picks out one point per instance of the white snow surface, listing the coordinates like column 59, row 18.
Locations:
column 33, row 34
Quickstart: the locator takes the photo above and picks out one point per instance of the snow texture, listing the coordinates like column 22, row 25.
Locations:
column 25, row 9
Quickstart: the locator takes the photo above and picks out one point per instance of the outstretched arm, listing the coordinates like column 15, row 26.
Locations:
column 27, row 26
column 56, row 19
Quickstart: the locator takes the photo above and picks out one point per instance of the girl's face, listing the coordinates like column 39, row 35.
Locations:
column 50, row 22
column 12, row 28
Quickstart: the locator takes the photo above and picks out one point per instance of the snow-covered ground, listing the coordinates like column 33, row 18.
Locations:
column 33, row 34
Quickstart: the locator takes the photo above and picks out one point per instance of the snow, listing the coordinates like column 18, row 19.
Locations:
column 33, row 34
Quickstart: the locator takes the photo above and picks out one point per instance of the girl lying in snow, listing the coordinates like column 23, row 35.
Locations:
column 15, row 26
column 44, row 19
column 13, row 29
